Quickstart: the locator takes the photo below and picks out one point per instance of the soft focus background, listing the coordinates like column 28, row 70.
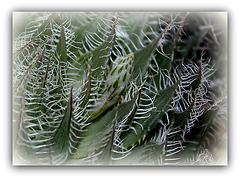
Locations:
column 179, row 172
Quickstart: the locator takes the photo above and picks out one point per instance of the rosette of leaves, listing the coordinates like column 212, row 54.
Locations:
column 119, row 89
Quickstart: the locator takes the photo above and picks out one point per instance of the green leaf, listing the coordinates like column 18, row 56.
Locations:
column 107, row 151
column 136, row 22
column 162, row 102
column 97, row 133
column 98, row 56
column 86, row 90
column 198, row 135
column 171, row 48
column 143, row 57
column 94, row 29
column 61, row 48
column 116, row 83
column 147, row 154
column 181, row 119
column 101, row 54
column 95, row 136
column 41, row 30
column 189, row 47
column 60, row 138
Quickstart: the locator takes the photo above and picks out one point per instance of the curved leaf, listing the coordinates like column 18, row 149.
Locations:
column 143, row 57
column 97, row 134
column 116, row 83
column 60, row 138
column 162, row 102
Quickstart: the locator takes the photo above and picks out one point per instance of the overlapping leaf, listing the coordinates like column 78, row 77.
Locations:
column 115, row 88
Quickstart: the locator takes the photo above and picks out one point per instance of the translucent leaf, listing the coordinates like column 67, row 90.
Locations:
column 116, row 83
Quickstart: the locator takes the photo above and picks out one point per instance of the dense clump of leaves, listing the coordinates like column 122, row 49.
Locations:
column 119, row 88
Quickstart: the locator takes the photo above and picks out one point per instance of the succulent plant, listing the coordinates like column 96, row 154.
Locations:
column 120, row 88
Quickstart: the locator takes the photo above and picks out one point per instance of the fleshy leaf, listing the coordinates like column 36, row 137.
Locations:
column 198, row 134
column 98, row 57
column 162, row 102
column 61, row 136
column 91, row 34
column 61, row 48
column 97, row 134
column 116, row 83
column 147, row 154
column 136, row 22
column 143, row 57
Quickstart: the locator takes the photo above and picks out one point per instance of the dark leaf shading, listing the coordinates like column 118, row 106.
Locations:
column 162, row 102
